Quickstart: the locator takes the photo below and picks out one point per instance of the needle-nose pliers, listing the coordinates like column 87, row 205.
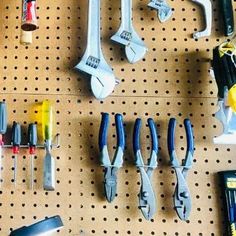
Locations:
column 111, row 168
column 182, row 199
column 147, row 199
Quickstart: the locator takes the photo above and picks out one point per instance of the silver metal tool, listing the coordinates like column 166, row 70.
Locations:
column 135, row 48
column 207, row 8
column 103, row 80
column 164, row 10
column 3, row 129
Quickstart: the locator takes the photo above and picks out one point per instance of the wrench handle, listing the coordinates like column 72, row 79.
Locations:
column 126, row 15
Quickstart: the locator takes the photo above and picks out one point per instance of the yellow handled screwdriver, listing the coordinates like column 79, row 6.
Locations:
column 47, row 132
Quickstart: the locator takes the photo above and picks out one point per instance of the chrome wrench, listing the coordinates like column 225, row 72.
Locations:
column 93, row 62
column 207, row 8
column 135, row 48
column 163, row 8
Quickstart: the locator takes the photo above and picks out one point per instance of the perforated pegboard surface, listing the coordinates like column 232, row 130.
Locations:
column 172, row 80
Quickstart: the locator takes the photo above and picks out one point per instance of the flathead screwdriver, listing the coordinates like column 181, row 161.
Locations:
column 32, row 140
column 16, row 141
column 3, row 129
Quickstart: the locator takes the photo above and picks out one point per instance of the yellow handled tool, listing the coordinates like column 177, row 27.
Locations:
column 47, row 132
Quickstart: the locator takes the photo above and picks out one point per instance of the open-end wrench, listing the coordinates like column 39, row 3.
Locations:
column 135, row 48
column 207, row 8
column 93, row 62
column 163, row 8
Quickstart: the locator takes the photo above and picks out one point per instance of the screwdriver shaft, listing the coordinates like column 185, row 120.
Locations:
column 32, row 171
column 0, row 166
column 15, row 169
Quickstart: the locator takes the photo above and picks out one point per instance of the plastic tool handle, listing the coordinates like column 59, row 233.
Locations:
column 153, row 131
column 228, row 16
column 32, row 135
column 171, row 136
column 3, row 117
column 103, row 131
column 189, row 135
column 120, row 131
column 136, row 135
column 47, row 120
column 16, row 134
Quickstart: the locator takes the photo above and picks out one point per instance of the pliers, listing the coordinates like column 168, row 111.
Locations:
column 147, row 199
column 182, row 199
column 111, row 168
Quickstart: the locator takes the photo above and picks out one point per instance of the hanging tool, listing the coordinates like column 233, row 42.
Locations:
column 44, row 227
column 103, row 80
column 110, row 174
column 228, row 187
column 29, row 18
column 224, row 69
column 3, row 129
column 135, row 48
column 226, row 8
column 182, row 199
column 16, row 141
column 164, row 10
column 47, row 132
column 32, row 142
column 208, row 11
column 147, row 199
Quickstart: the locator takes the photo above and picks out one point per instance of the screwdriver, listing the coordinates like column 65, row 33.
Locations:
column 3, row 129
column 32, row 140
column 16, row 141
column 47, row 130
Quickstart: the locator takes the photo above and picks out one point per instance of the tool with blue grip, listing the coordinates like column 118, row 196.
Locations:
column 111, row 167
column 147, row 199
column 182, row 199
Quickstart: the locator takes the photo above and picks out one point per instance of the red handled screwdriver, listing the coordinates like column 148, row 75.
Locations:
column 32, row 139
column 16, row 141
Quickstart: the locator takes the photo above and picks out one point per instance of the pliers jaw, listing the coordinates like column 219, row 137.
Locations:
column 110, row 183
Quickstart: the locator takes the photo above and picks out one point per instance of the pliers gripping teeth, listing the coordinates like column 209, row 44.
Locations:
column 182, row 199
column 111, row 168
column 147, row 199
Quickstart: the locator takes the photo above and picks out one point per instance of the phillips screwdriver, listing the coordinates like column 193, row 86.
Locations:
column 47, row 132
column 16, row 141
column 32, row 140
column 3, row 129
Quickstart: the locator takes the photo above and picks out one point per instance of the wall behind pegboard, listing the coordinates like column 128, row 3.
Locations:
column 172, row 80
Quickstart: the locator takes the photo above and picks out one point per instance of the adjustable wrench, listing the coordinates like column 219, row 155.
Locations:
column 163, row 8
column 135, row 48
column 93, row 63
column 207, row 8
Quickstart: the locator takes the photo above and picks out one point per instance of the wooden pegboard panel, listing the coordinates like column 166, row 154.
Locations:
column 172, row 80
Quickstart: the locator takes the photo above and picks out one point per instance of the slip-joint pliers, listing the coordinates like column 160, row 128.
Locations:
column 147, row 199
column 182, row 199
column 111, row 168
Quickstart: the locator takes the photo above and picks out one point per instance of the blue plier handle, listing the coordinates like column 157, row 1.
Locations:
column 182, row 199
column 147, row 199
column 103, row 134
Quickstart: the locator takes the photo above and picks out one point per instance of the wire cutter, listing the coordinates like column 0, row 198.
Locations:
column 111, row 168
column 182, row 199
column 147, row 199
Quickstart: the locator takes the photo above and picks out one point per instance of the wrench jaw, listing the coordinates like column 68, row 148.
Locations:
column 135, row 49
column 207, row 8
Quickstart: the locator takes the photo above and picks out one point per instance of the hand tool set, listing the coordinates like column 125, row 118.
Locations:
column 182, row 199
column 43, row 227
column 28, row 21
column 16, row 145
column 147, row 198
column 224, row 72
column 228, row 188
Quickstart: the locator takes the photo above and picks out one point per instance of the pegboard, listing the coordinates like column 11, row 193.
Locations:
column 172, row 80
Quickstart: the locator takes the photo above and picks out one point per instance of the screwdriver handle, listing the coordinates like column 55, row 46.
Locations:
column 16, row 137
column 32, row 138
column 3, row 117
column 47, row 120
